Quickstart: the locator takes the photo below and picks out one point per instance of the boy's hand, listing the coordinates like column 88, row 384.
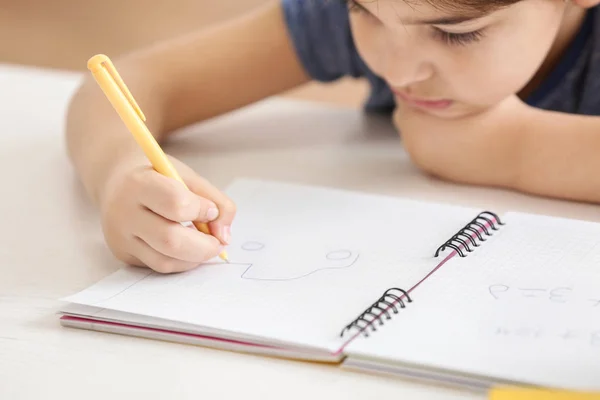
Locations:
column 142, row 212
column 480, row 149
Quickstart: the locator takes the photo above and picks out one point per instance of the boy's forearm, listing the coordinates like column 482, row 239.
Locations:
column 560, row 156
column 183, row 81
column 96, row 138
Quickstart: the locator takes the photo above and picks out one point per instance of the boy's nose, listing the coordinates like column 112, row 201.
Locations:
column 405, row 64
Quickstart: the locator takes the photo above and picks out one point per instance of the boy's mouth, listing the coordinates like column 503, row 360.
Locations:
column 425, row 104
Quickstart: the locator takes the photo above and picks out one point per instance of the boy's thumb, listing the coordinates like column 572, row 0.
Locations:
column 220, row 227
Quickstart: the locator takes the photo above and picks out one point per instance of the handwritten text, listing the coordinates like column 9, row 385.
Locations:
column 558, row 295
column 592, row 338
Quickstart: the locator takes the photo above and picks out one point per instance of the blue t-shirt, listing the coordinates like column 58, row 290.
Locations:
column 321, row 34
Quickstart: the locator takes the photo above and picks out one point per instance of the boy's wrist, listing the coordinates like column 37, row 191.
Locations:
column 114, row 167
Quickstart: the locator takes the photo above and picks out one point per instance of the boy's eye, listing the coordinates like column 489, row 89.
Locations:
column 448, row 38
column 458, row 39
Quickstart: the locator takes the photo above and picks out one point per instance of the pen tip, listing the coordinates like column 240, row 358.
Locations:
column 224, row 256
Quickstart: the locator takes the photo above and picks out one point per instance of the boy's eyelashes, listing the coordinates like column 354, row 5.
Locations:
column 448, row 38
column 458, row 39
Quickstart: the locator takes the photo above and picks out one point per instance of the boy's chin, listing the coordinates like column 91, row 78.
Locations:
column 460, row 110
column 455, row 111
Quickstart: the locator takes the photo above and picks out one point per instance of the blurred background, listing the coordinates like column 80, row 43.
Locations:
column 63, row 34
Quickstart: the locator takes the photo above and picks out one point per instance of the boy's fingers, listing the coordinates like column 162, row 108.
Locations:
column 175, row 240
column 173, row 201
column 157, row 261
column 220, row 227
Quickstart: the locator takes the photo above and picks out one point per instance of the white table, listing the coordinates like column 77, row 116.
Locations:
column 52, row 246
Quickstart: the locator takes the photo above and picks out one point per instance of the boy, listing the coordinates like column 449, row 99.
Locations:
column 488, row 92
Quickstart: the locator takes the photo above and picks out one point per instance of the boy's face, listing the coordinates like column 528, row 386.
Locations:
column 454, row 68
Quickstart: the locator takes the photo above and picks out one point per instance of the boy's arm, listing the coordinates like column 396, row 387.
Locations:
column 180, row 82
column 560, row 156
column 512, row 146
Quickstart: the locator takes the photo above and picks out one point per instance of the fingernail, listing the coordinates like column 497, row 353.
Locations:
column 226, row 234
column 212, row 213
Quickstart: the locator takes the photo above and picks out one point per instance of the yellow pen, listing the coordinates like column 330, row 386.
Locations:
column 517, row 393
column 122, row 100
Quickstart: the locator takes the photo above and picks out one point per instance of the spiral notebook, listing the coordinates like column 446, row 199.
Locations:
column 439, row 292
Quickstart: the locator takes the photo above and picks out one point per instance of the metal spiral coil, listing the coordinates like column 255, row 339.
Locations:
column 391, row 302
column 466, row 239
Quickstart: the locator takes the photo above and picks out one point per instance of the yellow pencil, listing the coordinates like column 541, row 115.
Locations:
column 122, row 100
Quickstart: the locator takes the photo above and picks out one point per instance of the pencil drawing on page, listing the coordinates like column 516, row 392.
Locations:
column 274, row 271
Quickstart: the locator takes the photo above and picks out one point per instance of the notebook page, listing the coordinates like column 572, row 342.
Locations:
column 525, row 307
column 304, row 263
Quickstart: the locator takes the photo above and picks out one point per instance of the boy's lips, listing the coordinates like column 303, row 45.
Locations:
column 429, row 104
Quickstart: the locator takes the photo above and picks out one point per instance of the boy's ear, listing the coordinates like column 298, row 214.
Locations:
column 586, row 3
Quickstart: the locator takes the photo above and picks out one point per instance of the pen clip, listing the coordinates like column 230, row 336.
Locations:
column 104, row 62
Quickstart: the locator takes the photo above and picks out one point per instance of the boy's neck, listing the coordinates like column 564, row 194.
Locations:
column 572, row 22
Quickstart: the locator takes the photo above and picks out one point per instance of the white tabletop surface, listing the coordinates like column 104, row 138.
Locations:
column 52, row 246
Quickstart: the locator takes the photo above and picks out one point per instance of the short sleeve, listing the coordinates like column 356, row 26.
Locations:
column 320, row 32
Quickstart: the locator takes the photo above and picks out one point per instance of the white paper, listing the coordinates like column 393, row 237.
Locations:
column 525, row 307
column 305, row 262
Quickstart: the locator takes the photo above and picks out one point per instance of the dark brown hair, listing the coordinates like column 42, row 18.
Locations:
column 477, row 6
column 462, row 6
